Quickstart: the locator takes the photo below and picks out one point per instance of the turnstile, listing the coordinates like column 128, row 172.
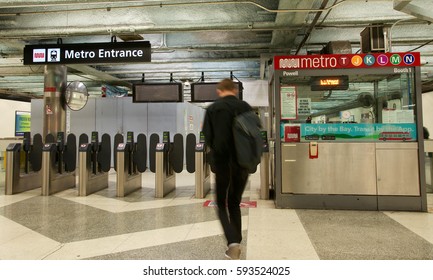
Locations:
column 202, row 172
column 94, row 164
column 130, row 161
column 264, row 169
column 197, row 163
column 59, row 161
column 168, row 162
column 18, row 179
column 165, row 178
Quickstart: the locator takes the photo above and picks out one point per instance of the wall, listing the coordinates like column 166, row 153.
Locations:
column 427, row 112
column 256, row 93
column 120, row 115
column 7, row 109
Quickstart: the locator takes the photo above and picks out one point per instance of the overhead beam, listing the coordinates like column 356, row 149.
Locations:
column 410, row 7
column 88, row 70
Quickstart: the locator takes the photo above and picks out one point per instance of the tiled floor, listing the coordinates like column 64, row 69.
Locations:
column 102, row 226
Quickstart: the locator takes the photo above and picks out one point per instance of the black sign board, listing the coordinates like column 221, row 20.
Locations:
column 329, row 83
column 157, row 92
column 206, row 92
column 90, row 53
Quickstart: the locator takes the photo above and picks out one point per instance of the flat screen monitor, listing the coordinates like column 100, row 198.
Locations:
column 22, row 122
column 206, row 92
column 157, row 92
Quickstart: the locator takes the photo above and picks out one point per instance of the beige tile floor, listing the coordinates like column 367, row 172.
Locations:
column 269, row 233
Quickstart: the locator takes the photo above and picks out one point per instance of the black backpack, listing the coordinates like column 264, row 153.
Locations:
column 248, row 140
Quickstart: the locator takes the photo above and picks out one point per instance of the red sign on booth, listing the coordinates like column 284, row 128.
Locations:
column 292, row 133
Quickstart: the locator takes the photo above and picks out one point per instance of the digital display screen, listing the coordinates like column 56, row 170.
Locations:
column 166, row 137
column 129, row 137
column 94, row 136
column 60, row 137
column 264, row 135
column 206, row 92
column 161, row 92
column 22, row 122
column 329, row 83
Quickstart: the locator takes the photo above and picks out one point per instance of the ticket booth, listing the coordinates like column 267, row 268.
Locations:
column 347, row 132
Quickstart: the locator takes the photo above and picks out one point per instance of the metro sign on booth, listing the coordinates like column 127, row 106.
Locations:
column 335, row 61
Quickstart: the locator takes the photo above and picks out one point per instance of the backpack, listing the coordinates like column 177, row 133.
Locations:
column 248, row 140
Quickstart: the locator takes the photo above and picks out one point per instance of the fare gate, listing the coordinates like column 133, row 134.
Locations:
column 18, row 179
column 168, row 162
column 59, row 160
column 197, row 162
column 130, row 162
column 94, row 163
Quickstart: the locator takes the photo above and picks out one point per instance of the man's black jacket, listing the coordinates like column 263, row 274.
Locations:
column 217, row 127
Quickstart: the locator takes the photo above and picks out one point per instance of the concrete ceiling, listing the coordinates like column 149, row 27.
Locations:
column 189, row 37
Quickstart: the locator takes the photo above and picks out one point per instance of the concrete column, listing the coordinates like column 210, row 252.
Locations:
column 54, row 100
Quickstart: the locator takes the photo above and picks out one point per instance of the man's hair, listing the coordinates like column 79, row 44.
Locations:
column 227, row 85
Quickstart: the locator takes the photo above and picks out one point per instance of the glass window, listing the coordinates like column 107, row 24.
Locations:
column 353, row 107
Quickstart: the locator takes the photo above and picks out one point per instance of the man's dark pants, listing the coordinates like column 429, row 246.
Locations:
column 230, row 185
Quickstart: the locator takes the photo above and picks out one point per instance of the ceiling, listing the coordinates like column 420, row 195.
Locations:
column 191, row 37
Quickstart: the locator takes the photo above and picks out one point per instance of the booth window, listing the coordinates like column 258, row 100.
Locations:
column 350, row 107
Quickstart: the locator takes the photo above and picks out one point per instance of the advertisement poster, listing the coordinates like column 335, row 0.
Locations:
column 288, row 103
column 359, row 132
column 22, row 123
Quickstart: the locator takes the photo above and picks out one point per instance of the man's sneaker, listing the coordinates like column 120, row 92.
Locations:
column 233, row 252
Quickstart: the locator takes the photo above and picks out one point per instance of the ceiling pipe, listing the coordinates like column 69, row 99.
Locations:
column 312, row 25
column 126, row 29
column 161, row 5
column 390, row 41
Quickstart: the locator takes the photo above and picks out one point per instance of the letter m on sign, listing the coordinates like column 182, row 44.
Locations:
column 395, row 59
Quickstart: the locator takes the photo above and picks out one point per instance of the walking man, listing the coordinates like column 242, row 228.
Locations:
column 230, row 177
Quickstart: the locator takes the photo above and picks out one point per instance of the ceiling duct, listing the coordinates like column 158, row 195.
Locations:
column 337, row 47
column 374, row 39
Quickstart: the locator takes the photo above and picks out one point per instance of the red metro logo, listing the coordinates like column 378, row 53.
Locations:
column 39, row 55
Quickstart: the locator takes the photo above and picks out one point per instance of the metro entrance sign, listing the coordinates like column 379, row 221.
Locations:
column 338, row 61
column 89, row 53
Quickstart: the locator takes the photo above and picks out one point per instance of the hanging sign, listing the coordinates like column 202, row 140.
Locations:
column 91, row 53
column 336, row 61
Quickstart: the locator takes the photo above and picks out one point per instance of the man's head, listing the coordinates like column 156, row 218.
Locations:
column 226, row 87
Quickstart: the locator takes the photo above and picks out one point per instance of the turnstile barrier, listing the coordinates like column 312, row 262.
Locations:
column 154, row 140
column 16, row 179
column 190, row 152
column 197, row 162
column 140, row 153
column 58, row 163
column 95, row 160
column 118, row 138
column 202, row 172
column 131, row 161
column 264, row 169
column 168, row 161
